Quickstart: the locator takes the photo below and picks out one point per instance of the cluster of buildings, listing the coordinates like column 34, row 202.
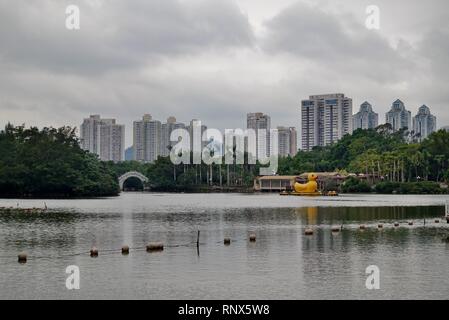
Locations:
column 287, row 136
column 151, row 137
column 325, row 119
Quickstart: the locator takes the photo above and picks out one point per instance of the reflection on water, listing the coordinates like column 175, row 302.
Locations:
column 282, row 263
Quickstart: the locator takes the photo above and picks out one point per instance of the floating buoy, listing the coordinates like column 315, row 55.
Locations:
column 227, row 241
column 410, row 223
column 22, row 257
column 335, row 229
column 396, row 224
column 252, row 237
column 125, row 250
column 155, row 246
column 380, row 225
column 362, row 227
column 94, row 252
column 437, row 220
column 308, row 232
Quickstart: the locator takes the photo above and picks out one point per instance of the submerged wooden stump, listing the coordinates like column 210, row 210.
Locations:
column 155, row 246
column 94, row 252
column 22, row 257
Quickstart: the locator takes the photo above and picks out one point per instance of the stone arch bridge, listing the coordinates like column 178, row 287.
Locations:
column 132, row 174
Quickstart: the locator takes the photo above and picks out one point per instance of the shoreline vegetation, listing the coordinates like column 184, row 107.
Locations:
column 49, row 163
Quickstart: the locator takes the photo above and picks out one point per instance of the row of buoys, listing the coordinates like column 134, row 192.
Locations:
column 252, row 238
column 335, row 229
column 159, row 246
column 151, row 247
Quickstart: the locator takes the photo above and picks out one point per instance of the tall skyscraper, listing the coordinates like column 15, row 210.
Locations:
column 287, row 141
column 103, row 137
column 258, row 121
column 293, row 141
column 424, row 123
column 325, row 119
column 366, row 118
column 398, row 117
column 147, row 139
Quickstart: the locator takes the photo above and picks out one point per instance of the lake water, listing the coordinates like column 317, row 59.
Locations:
column 282, row 264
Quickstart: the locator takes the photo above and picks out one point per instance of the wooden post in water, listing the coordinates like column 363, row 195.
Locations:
column 446, row 213
column 198, row 243
column 198, row 239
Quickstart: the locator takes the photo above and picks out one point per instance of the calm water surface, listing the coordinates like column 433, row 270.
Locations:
column 282, row 264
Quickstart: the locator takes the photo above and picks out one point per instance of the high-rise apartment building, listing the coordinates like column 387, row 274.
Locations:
column 366, row 118
column 261, row 121
column 293, row 141
column 424, row 123
column 287, row 141
column 325, row 119
column 103, row 137
column 166, row 130
column 147, row 139
column 398, row 117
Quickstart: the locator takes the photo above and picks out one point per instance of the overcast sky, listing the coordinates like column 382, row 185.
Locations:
column 217, row 60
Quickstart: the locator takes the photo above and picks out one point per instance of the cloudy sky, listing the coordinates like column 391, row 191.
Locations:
column 217, row 60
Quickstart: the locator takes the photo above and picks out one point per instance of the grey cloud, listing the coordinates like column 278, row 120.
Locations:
column 333, row 40
column 117, row 34
column 197, row 59
column 435, row 48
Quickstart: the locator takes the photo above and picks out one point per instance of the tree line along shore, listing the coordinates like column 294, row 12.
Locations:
column 49, row 162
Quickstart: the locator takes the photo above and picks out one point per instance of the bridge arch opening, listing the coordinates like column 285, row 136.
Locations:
column 130, row 178
column 133, row 184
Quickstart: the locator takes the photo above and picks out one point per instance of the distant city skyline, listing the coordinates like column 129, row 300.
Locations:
column 324, row 119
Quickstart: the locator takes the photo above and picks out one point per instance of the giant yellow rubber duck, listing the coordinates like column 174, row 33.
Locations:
column 310, row 187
